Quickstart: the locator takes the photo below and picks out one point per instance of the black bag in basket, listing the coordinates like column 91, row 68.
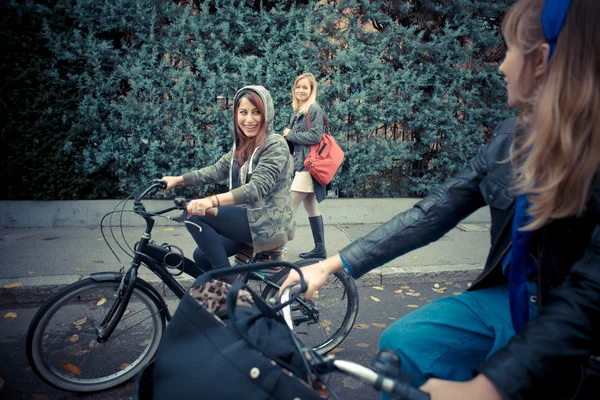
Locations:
column 225, row 342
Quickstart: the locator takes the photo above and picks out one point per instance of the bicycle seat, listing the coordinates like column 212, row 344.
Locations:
column 247, row 255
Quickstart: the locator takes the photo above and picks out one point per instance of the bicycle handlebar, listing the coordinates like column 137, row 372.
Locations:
column 180, row 203
column 397, row 389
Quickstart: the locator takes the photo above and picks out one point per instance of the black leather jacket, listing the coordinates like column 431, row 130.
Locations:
column 548, row 352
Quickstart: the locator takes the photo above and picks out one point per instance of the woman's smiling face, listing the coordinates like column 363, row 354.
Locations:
column 249, row 118
column 302, row 90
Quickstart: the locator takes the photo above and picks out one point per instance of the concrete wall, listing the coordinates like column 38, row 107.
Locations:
column 88, row 213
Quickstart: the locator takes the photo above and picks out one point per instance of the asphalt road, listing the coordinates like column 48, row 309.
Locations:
column 379, row 307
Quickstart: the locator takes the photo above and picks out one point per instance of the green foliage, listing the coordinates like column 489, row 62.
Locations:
column 125, row 91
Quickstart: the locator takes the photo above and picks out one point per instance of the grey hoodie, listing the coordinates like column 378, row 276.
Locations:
column 265, row 182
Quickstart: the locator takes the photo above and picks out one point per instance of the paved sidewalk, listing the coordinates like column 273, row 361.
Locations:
column 38, row 261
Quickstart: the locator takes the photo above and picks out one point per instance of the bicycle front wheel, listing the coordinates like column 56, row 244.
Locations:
column 63, row 346
column 323, row 322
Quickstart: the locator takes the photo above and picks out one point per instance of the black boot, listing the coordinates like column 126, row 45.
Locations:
column 318, row 232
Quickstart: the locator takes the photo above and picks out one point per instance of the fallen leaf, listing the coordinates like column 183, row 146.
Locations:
column 412, row 306
column 130, row 386
column 361, row 326
column 78, row 327
column 123, row 366
column 415, row 257
column 410, row 290
column 404, row 287
column 362, row 345
column 100, row 239
column 375, row 299
column 316, row 294
column 100, row 302
column 469, row 284
column 13, row 285
column 325, row 323
column 378, row 287
column 94, row 343
column 336, row 350
column 70, row 367
column 80, row 269
column 30, row 273
column 456, row 293
column 169, row 229
column 399, row 291
column 392, row 318
column 378, row 325
column 80, row 321
column 440, row 290
column 414, row 294
column 10, row 315
column 74, row 338
column 126, row 312
column 145, row 343
column 1, row 383
column 437, row 285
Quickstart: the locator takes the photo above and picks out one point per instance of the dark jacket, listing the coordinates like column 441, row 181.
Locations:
column 548, row 352
column 301, row 138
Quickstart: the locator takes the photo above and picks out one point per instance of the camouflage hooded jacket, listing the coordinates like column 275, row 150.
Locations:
column 265, row 182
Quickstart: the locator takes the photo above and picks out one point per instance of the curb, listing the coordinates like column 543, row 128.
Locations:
column 37, row 290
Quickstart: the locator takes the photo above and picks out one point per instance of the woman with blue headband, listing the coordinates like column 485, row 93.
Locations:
column 529, row 324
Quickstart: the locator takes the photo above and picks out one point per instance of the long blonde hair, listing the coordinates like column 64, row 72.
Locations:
column 312, row 99
column 557, row 157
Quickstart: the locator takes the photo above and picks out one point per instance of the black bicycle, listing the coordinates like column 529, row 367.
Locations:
column 102, row 330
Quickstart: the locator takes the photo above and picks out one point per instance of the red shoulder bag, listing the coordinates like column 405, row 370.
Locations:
column 325, row 157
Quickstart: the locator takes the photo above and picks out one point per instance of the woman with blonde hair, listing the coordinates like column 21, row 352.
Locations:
column 306, row 129
column 529, row 324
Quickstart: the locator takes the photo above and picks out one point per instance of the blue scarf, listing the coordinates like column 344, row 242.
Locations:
column 554, row 15
column 521, row 264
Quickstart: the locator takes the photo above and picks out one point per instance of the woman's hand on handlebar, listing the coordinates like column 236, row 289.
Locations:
column 315, row 275
column 172, row 181
column 200, row 207
column 478, row 388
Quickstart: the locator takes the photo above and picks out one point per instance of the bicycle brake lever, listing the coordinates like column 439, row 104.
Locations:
column 181, row 218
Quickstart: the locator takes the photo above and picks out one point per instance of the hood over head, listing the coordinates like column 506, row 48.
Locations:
column 267, row 100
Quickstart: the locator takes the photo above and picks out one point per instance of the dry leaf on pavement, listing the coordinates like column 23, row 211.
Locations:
column 70, row 367
column 362, row 345
column 10, row 315
column 378, row 287
column 412, row 306
column 413, row 294
column 399, row 291
column 13, row 285
column 378, row 325
column 100, row 302
column 392, row 318
column 375, row 299
column 361, row 326
column 440, row 290
column 437, row 285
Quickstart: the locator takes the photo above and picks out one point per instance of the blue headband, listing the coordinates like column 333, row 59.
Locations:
column 554, row 15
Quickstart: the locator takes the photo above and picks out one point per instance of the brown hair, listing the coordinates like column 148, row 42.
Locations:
column 312, row 99
column 245, row 145
column 558, row 156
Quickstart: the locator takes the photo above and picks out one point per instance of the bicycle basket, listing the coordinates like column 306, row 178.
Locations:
column 225, row 342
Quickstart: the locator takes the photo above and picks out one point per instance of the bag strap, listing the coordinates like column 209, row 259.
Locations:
column 324, row 120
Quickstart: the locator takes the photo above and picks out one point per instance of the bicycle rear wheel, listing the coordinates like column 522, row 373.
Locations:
column 62, row 341
column 323, row 322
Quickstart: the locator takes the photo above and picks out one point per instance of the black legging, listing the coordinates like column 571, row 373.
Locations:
column 221, row 236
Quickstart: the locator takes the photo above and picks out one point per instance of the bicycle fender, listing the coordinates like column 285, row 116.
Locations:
column 142, row 284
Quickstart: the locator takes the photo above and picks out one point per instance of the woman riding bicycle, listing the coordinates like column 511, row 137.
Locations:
column 531, row 320
column 257, row 208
